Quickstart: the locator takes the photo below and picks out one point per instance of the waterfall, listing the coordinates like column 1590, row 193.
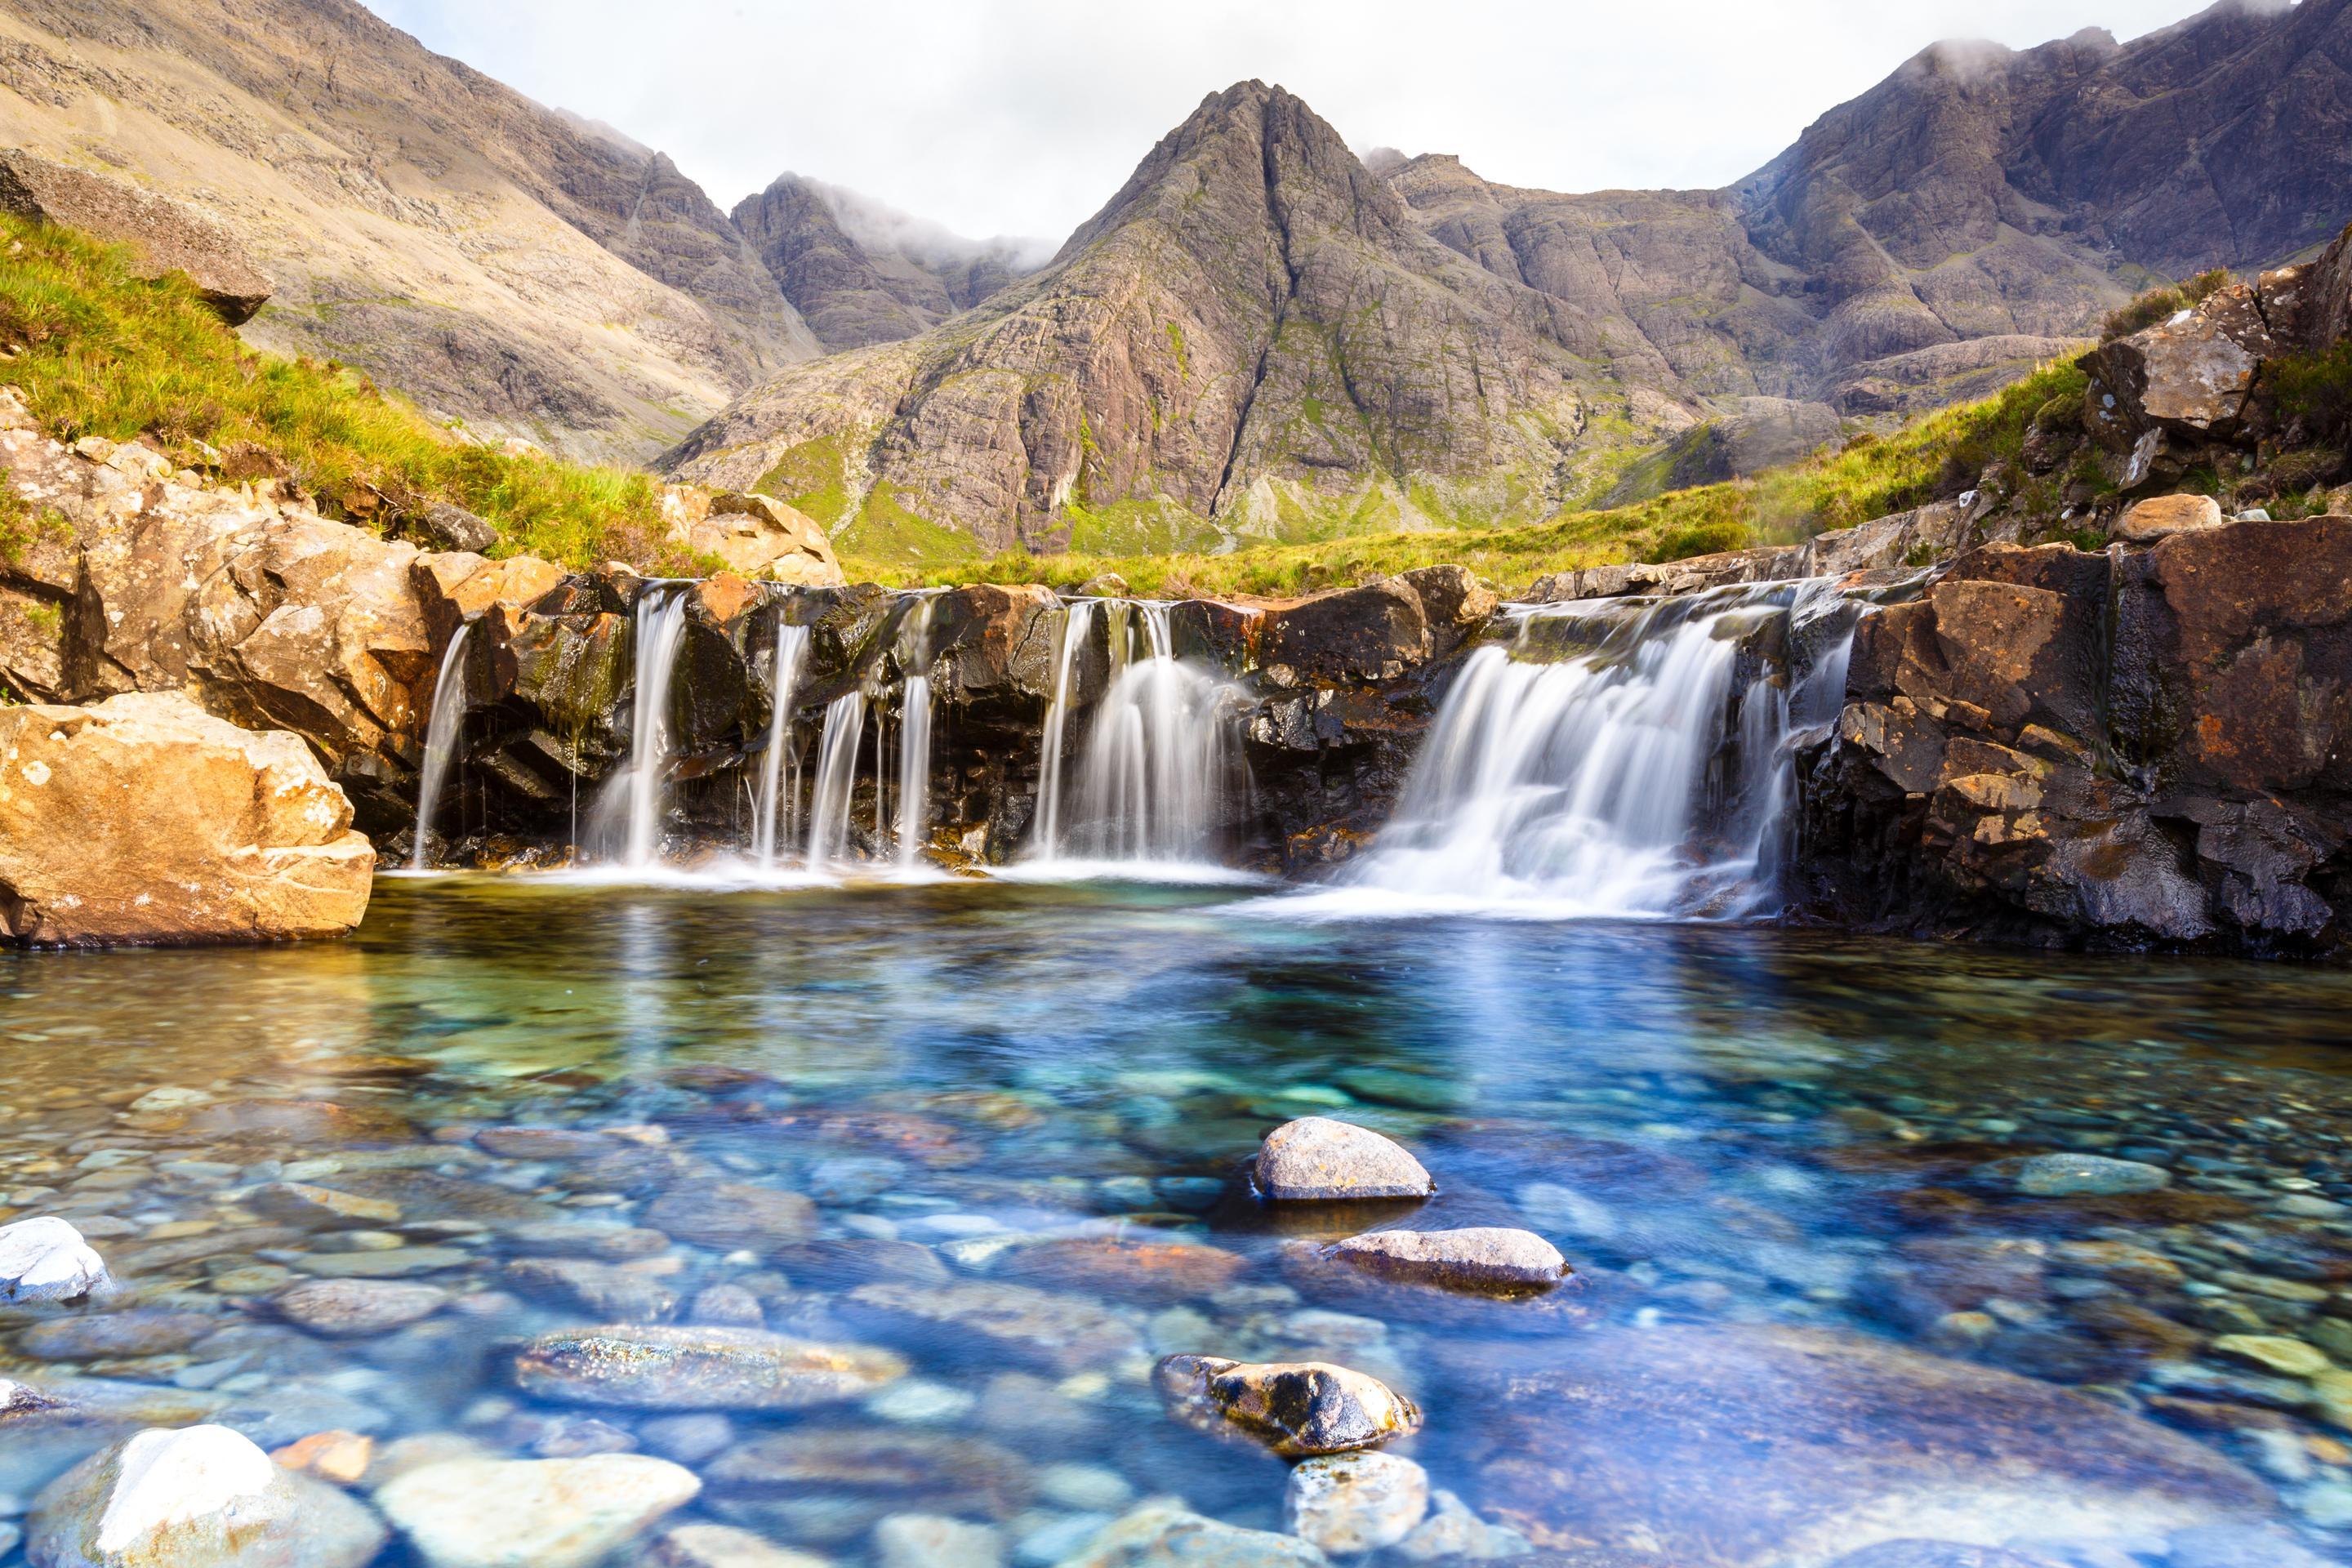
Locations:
column 1078, row 619
column 660, row 631
column 914, row 739
column 792, row 651
column 1159, row 756
column 440, row 741
column 836, row 777
column 1645, row 773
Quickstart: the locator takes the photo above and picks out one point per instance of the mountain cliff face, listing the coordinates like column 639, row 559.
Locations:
column 518, row 268
column 1254, row 331
column 859, row 273
column 1258, row 336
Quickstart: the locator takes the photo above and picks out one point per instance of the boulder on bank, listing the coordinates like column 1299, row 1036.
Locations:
column 2161, row 517
column 755, row 536
column 144, row 820
column 165, row 236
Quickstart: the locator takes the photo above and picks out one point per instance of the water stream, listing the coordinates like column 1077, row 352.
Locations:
column 660, row 632
column 441, row 736
column 1626, row 759
column 779, row 773
column 915, row 734
column 836, row 779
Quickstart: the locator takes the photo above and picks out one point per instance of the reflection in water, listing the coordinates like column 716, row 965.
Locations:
column 1817, row 1308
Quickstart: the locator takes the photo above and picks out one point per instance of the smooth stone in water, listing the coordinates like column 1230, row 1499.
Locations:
column 1474, row 1258
column 320, row 1208
column 2079, row 1176
column 1296, row 1408
column 1354, row 1503
column 935, row 1540
column 1167, row 1535
column 545, row 1513
column 2275, row 1353
column 1317, row 1158
column 1062, row 1333
column 1452, row 1534
column 724, row 1546
column 340, row 1309
column 139, row 1332
column 653, row 1368
column 202, row 1497
column 401, row 1263
column 728, row 1216
column 46, row 1259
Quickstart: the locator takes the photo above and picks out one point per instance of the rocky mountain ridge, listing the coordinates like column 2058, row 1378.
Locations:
column 1974, row 214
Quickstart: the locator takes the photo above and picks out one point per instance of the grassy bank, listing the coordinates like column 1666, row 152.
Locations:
column 1869, row 476
column 99, row 351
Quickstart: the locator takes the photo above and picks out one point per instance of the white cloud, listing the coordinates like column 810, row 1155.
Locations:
column 1020, row 117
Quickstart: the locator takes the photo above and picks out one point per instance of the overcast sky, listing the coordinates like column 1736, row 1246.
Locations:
column 1022, row 117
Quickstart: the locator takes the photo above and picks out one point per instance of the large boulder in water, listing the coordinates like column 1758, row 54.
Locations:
column 142, row 818
column 1732, row 1447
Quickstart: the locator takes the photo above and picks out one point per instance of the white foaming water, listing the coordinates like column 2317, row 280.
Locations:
column 659, row 633
column 440, row 741
column 915, row 738
column 1645, row 776
column 836, row 777
column 1157, row 763
column 777, row 788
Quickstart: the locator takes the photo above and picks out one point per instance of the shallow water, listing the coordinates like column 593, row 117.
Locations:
column 1803, row 1296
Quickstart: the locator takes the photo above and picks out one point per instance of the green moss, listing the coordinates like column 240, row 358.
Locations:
column 1176, row 347
column 100, row 352
column 814, row 478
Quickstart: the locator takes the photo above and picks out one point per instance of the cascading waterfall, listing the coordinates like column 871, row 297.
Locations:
column 915, row 737
column 1159, row 754
column 776, row 785
column 660, row 632
column 836, row 777
column 1078, row 619
column 440, row 741
column 1644, row 774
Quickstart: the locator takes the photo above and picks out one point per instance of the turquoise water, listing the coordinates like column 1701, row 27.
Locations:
column 1762, row 1149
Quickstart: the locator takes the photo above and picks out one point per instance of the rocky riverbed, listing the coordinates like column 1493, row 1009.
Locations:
column 544, row 1224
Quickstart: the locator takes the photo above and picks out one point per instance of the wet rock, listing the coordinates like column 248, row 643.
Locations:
column 319, row 1208
column 1599, row 1433
column 202, row 1497
column 2275, row 1353
column 1475, row 1257
column 351, row 1308
column 1296, row 1408
column 1939, row 1555
column 699, row 1368
column 865, row 1474
column 935, row 1540
column 548, row 1513
column 46, row 1259
column 2079, row 1176
column 862, row 1260
column 1062, row 1333
column 724, row 1546
column 138, row 1332
column 542, row 1144
column 564, row 1239
column 611, row 1291
column 143, row 818
column 16, row 1400
column 304, row 1124
column 1126, row 1268
column 1316, row 1157
column 1167, row 1535
column 726, row 1306
column 728, row 1216
column 399, row 1262
column 2161, row 517
column 1347, row 1503
column 341, row 1458
column 1453, row 1533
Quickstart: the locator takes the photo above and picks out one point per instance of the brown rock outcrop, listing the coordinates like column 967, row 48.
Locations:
column 141, row 818
column 165, row 236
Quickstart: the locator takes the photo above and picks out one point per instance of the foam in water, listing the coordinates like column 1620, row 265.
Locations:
column 1157, row 763
column 1644, row 774
column 440, row 741
column 659, row 633
column 780, row 784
